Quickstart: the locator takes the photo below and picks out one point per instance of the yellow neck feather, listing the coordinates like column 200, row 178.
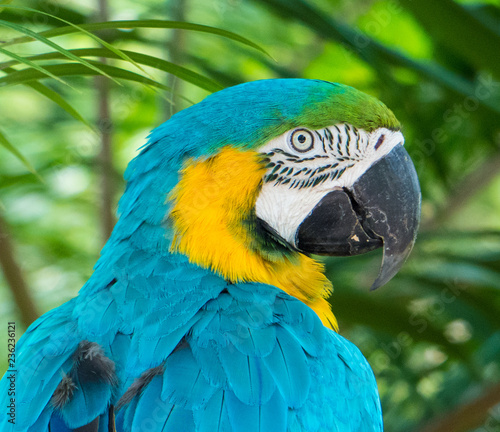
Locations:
column 210, row 204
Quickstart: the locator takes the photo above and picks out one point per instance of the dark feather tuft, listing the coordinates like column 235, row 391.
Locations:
column 63, row 392
column 138, row 386
column 93, row 365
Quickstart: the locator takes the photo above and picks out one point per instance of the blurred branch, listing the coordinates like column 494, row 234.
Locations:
column 14, row 277
column 176, row 49
column 105, row 127
column 467, row 189
column 467, row 416
column 455, row 27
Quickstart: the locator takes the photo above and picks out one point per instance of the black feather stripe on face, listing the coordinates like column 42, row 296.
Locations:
column 337, row 149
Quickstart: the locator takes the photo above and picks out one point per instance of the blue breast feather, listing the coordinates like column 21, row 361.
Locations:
column 212, row 356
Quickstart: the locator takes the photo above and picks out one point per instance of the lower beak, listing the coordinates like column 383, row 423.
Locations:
column 382, row 209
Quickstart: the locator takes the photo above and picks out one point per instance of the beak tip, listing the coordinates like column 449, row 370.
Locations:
column 375, row 285
column 383, row 277
column 391, row 264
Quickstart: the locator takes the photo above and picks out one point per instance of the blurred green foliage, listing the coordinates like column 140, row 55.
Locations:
column 432, row 335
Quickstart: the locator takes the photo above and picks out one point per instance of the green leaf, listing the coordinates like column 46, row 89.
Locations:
column 4, row 142
column 71, row 69
column 163, row 65
column 28, row 62
column 55, row 46
column 132, row 24
column 20, row 16
column 115, row 50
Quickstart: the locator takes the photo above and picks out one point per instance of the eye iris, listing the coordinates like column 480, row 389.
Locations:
column 302, row 140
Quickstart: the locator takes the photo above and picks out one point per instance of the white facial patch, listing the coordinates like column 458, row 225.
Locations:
column 300, row 174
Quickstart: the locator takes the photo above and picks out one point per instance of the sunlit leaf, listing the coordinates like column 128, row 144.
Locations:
column 53, row 45
column 131, row 24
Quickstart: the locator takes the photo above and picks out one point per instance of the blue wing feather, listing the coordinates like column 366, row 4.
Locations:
column 254, row 342
column 248, row 378
column 289, row 366
column 149, row 402
column 207, row 358
column 214, row 416
column 179, row 419
column 229, row 352
column 183, row 381
column 269, row 416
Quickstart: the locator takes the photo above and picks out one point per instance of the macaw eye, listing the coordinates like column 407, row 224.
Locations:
column 302, row 140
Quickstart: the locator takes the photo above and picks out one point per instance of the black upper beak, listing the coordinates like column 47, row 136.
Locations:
column 381, row 209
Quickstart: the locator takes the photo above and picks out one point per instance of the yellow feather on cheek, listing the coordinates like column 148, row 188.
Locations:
column 211, row 203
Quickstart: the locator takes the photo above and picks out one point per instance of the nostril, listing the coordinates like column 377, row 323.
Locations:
column 379, row 141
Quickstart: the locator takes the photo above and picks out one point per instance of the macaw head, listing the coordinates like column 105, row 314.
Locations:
column 255, row 178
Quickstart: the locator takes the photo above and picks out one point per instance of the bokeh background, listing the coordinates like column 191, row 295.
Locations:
column 67, row 132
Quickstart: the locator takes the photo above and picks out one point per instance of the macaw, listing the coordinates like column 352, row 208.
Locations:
column 206, row 310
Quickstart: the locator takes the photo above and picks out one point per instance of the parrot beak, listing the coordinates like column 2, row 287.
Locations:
column 381, row 209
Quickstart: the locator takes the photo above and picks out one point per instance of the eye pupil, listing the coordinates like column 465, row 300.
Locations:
column 302, row 140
